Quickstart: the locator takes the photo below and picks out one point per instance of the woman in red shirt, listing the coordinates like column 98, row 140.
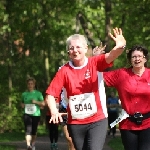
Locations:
column 133, row 86
column 82, row 80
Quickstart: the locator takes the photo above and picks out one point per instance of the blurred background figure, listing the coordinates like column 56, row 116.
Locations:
column 52, row 128
column 112, row 105
column 31, row 101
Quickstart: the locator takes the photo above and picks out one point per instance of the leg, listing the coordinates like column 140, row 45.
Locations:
column 55, row 135
column 144, row 139
column 50, row 128
column 35, row 122
column 69, row 140
column 55, row 127
column 109, row 122
column 114, row 117
column 129, row 139
column 96, row 135
column 28, row 129
column 78, row 134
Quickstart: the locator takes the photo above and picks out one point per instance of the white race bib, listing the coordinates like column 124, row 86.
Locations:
column 30, row 108
column 123, row 115
column 82, row 106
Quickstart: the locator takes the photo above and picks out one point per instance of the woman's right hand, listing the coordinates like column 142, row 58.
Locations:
column 57, row 117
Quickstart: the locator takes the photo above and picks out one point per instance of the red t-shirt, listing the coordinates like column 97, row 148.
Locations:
column 79, row 80
column 134, row 94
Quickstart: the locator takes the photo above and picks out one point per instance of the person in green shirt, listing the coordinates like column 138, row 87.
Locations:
column 32, row 101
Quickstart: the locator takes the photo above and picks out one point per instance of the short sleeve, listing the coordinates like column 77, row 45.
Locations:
column 111, row 78
column 41, row 98
column 56, row 84
column 101, row 63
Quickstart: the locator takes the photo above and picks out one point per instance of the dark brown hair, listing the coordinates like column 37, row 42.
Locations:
column 137, row 48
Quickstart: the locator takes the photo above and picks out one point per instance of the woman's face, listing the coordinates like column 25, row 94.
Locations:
column 31, row 85
column 137, row 59
column 77, row 50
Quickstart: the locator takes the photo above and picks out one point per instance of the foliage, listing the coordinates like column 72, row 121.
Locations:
column 33, row 34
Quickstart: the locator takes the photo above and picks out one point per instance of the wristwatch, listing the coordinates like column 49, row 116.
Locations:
column 123, row 47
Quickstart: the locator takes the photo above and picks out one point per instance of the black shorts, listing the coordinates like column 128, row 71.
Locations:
column 64, row 120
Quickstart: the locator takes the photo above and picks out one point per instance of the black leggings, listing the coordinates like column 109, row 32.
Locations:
column 31, row 124
column 53, row 130
column 112, row 116
column 136, row 140
column 88, row 136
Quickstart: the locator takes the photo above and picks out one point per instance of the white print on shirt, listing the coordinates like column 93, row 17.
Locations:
column 82, row 106
column 123, row 115
column 87, row 74
column 30, row 109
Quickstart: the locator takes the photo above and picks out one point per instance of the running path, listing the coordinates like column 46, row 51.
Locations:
column 43, row 143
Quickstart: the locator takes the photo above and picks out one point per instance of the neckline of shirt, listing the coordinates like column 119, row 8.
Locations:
column 85, row 63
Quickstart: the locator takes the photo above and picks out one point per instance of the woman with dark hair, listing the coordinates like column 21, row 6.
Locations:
column 133, row 86
column 32, row 100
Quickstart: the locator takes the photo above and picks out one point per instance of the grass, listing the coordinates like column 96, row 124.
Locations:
column 17, row 136
column 4, row 147
column 116, row 143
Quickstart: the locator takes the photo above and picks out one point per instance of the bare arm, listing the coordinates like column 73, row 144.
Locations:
column 40, row 103
column 22, row 105
column 56, row 117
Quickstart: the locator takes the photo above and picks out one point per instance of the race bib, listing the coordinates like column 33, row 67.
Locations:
column 30, row 108
column 82, row 106
column 123, row 115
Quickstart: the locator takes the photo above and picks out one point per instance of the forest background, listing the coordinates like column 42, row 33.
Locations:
column 33, row 35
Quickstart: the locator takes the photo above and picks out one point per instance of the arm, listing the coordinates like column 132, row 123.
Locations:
column 120, row 45
column 22, row 105
column 56, row 117
column 40, row 103
column 98, row 50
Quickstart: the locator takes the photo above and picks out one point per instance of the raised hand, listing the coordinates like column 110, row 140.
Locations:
column 118, row 38
column 99, row 50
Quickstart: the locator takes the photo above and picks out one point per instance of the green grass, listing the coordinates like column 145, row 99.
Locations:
column 4, row 147
column 17, row 136
column 116, row 143
column 11, row 136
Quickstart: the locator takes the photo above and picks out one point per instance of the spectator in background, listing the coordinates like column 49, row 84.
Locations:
column 31, row 101
column 112, row 105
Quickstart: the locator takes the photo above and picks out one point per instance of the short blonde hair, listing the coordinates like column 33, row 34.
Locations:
column 75, row 37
